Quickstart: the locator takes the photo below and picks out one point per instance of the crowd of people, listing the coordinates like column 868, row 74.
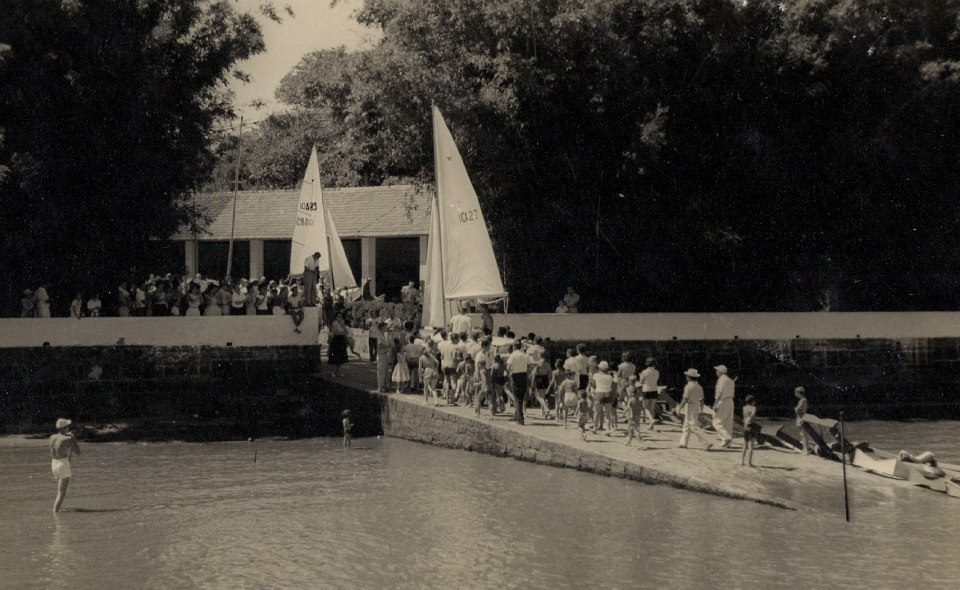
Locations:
column 461, row 364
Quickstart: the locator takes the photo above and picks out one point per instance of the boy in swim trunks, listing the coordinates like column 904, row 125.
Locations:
column 62, row 447
column 567, row 397
column 347, row 426
column 634, row 416
column 583, row 409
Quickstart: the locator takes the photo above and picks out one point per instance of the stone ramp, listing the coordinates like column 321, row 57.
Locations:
column 783, row 479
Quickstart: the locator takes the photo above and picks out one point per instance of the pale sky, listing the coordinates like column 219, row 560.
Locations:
column 315, row 26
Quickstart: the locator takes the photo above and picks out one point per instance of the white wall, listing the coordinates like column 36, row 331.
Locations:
column 726, row 326
column 159, row 331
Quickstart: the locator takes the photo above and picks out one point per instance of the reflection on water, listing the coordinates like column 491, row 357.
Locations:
column 404, row 515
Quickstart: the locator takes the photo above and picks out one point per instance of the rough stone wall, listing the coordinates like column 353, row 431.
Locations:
column 416, row 422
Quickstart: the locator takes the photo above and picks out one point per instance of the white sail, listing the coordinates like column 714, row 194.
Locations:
column 314, row 231
column 342, row 275
column 434, row 306
column 469, row 268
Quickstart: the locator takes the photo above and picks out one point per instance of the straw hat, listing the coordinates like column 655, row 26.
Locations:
column 604, row 366
column 63, row 423
column 722, row 369
column 692, row 373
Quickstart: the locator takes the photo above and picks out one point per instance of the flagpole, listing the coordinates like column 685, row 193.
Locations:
column 236, row 187
column 436, row 209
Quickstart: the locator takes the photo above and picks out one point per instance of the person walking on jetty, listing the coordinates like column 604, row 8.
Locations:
column 723, row 406
column 602, row 384
column 750, row 431
column 541, row 380
column 429, row 373
column 347, row 428
column 625, row 370
column 62, row 448
column 649, row 379
column 448, row 364
column 689, row 406
column 518, row 365
column 567, row 397
column 800, row 411
column 583, row 414
column 384, row 365
column 581, row 363
column 311, row 265
column 634, row 416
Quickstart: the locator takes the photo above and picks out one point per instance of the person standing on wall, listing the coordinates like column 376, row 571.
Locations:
column 571, row 300
column 460, row 324
column 311, row 265
column 373, row 337
column 519, row 365
column 723, row 405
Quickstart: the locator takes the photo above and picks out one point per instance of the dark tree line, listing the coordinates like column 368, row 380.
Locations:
column 663, row 154
column 107, row 109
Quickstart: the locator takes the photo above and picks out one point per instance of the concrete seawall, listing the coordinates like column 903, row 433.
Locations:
column 782, row 479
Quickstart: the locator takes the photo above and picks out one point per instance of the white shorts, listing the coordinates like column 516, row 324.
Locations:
column 61, row 468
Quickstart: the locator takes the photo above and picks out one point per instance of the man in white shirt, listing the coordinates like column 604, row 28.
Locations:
column 460, row 323
column 310, row 270
column 649, row 378
column 689, row 406
column 518, row 365
column 723, row 405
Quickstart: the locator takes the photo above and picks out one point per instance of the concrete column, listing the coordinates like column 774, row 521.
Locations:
column 423, row 258
column 256, row 259
column 368, row 261
column 190, row 257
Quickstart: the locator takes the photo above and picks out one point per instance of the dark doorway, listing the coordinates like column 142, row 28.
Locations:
column 276, row 259
column 398, row 263
column 352, row 249
column 212, row 258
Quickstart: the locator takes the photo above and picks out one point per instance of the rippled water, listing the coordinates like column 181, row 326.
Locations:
column 394, row 514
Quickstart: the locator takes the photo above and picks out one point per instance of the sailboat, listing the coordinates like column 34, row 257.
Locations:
column 315, row 231
column 460, row 260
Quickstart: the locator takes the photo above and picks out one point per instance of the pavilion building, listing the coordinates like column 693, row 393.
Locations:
column 383, row 229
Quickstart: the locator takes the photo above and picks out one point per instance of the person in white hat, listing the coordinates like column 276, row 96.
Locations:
column 690, row 405
column 603, row 397
column 62, row 447
column 723, row 406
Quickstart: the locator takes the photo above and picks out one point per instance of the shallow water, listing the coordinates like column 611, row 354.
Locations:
column 395, row 514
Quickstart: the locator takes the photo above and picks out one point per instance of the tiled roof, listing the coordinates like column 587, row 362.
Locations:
column 368, row 211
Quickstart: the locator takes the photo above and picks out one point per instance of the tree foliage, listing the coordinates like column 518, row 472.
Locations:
column 107, row 108
column 664, row 154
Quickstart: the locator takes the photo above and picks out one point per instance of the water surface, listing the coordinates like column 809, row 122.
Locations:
column 395, row 514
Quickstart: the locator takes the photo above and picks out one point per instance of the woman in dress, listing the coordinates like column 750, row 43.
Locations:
column 194, row 299
column 211, row 300
column 250, row 300
column 401, row 373
column 337, row 354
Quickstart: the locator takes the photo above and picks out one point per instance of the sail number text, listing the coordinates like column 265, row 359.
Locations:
column 308, row 206
column 466, row 216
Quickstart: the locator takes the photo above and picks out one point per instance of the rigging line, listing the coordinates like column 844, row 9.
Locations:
column 379, row 219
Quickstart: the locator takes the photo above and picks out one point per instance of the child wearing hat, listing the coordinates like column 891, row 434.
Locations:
column 62, row 448
column 347, row 427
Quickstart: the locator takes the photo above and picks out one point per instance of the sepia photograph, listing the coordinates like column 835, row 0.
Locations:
column 479, row 294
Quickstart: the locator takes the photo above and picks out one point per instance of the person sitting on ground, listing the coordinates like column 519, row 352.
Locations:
column 750, row 431
column 930, row 469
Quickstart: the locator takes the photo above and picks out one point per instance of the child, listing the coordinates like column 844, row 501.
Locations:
column 800, row 411
column 481, row 384
column 634, row 415
column 401, row 372
column 347, row 426
column 498, row 377
column 567, row 397
column 583, row 411
column 464, row 380
column 429, row 375
column 750, row 430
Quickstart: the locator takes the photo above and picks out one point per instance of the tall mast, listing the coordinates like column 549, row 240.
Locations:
column 437, row 211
